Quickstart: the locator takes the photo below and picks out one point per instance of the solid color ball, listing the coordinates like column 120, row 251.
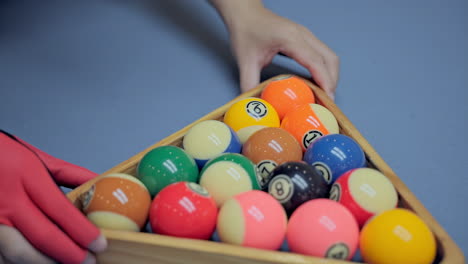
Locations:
column 184, row 209
column 397, row 236
column 286, row 93
column 334, row 154
column 164, row 165
column 294, row 183
column 249, row 112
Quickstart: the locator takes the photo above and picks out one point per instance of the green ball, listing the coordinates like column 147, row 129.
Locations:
column 165, row 165
column 242, row 161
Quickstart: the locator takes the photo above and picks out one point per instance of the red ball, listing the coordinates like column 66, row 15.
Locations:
column 184, row 209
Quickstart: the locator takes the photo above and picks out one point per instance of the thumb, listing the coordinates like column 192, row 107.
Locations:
column 15, row 248
column 249, row 73
column 64, row 173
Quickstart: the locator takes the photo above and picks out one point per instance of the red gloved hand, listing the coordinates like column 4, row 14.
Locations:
column 32, row 203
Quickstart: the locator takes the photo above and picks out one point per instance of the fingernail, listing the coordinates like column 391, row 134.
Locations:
column 98, row 245
column 90, row 259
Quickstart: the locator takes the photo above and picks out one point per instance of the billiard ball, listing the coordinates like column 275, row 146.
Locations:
column 224, row 179
column 117, row 201
column 323, row 228
column 294, row 183
column 286, row 93
column 309, row 122
column 252, row 219
column 334, row 154
column 215, row 237
column 397, row 236
column 270, row 147
column 365, row 192
column 245, row 133
column 252, row 111
column 242, row 161
column 208, row 139
column 184, row 209
column 164, row 165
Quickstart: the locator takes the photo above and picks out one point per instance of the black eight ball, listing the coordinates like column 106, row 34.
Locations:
column 294, row 183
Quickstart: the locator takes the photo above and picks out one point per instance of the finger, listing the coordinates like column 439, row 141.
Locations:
column 70, row 175
column 65, row 173
column 308, row 57
column 332, row 61
column 61, row 211
column 46, row 237
column 249, row 73
column 14, row 248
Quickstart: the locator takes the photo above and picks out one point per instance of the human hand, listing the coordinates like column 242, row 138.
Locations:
column 38, row 224
column 257, row 35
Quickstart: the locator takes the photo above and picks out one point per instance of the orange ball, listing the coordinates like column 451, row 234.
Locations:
column 286, row 93
column 117, row 201
column 309, row 122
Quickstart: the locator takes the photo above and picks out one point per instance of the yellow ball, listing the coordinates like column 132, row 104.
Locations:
column 251, row 112
column 397, row 236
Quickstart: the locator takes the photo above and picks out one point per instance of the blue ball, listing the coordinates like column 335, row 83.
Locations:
column 209, row 139
column 334, row 154
column 215, row 236
column 357, row 256
column 285, row 247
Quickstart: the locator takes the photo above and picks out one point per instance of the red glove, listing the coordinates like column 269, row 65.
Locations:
column 31, row 202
